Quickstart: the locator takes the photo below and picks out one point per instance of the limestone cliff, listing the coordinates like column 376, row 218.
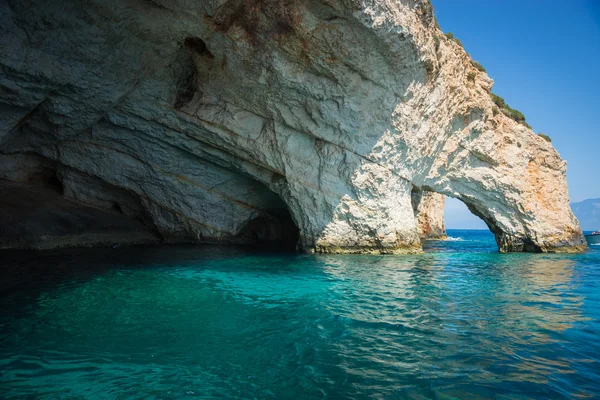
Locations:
column 240, row 120
column 429, row 213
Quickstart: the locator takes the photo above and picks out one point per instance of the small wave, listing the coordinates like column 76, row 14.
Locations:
column 455, row 239
column 595, row 244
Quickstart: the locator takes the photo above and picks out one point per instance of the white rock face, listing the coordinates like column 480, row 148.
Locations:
column 429, row 212
column 215, row 119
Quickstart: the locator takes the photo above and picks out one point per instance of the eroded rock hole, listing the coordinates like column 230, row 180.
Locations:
column 187, row 84
column 117, row 208
column 197, row 45
column 55, row 183
column 47, row 177
column 187, row 70
column 274, row 230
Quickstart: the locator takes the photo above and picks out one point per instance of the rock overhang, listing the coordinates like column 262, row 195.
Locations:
column 339, row 108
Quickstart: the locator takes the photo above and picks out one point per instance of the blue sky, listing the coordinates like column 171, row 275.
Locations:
column 544, row 56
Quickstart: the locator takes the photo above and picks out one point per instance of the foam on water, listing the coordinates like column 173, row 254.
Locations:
column 461, row 321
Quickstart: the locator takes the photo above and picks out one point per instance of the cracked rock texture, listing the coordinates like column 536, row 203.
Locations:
column 237, row 121
column 429, row 212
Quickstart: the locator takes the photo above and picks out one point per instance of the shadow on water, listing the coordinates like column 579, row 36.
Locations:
column 221, row 322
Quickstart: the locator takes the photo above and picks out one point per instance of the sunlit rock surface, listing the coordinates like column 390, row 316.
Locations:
column 429, row 212
column 238, row 121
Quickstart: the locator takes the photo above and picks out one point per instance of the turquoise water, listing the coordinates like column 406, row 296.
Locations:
column 461, row 321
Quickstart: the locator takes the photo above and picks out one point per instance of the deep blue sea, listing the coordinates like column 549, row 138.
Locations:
column 181, row 322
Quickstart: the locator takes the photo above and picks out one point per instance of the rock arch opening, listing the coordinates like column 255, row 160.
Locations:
column 429, row 207
column 506, row 242
column 274, row 229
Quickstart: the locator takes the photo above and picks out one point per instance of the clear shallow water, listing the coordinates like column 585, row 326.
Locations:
column 461, row 321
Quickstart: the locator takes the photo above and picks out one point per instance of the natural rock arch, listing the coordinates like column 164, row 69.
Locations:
column 338, row 108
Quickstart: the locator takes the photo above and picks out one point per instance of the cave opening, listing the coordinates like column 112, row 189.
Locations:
column 197, row 45
column 436, row 212
column 47, row 177
column 272, row 230
column 477, row 218
column 505, row 241
column 116, row 207
column 55, row 183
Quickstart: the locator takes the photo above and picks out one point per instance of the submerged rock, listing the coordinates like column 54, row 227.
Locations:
column 264, row 120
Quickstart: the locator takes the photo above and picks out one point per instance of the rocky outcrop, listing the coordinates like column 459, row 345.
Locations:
column 429, row 213
column 240, row 120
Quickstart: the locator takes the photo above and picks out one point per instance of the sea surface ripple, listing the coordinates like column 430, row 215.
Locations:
column 459, row 322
